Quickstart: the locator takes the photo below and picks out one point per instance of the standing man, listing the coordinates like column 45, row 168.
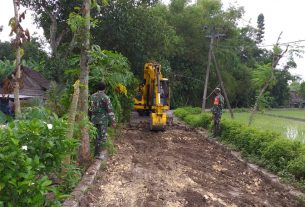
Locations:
column 101, row 116
column 217, row 111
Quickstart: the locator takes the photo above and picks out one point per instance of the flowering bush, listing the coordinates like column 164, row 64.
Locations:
column 30, row 150
column 121, row 89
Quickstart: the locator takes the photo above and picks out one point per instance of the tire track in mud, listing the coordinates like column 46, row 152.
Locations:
column 179, row 167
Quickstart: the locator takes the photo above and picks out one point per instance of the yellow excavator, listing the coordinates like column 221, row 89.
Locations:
column 153, row 97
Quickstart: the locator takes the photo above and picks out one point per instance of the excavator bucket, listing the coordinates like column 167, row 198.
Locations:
column 138, row 120
column 157, row 121
column 153, row 122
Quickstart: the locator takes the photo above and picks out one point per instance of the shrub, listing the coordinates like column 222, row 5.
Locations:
column 194, row 117
column 193, row 120
column 181, row 112
column 280, row 151
column 297, row 167
column 31, row 149
column 193, row 110
column 44, row 135
column 21, row 183
column 247, row 139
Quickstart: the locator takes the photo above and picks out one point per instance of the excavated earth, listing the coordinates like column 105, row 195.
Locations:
column 179, row 167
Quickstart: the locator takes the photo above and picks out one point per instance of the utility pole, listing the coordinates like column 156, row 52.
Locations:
column 212, row 37
column 207, row 76
column 222, row 85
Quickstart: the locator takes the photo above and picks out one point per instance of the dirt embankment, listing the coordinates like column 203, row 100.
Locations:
column 179, row 167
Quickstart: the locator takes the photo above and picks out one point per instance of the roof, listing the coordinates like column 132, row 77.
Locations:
column 36, row 76
column 32, row 83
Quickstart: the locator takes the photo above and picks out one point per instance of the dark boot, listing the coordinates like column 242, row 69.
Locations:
column 97, row 149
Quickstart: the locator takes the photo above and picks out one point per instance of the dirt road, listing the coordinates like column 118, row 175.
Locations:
column 179, row 167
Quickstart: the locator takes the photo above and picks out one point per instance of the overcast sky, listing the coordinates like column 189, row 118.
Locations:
column 285, row 16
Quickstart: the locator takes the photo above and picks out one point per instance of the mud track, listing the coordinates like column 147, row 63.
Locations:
column 179, row 167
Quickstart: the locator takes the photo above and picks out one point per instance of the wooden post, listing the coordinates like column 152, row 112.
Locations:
column 222, row 86
column 207, row 76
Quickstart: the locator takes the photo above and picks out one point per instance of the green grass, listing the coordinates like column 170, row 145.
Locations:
column 295, row 113
column 286, row 127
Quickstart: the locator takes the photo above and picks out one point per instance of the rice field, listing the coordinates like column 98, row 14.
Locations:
column 291, row 129
column 295, row 113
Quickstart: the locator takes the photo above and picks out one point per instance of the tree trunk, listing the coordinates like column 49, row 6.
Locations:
column 258, row 98
column 71, row 118
column 18, row 62
column 55, row 38
column 84, row 151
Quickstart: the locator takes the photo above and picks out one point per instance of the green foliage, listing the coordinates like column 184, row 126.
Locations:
column 266, row 101
column 302, row 90
column 70, row 177
column 194, row 117
column 172, row 35
column 31, row 148
column 6, row 67
column 294, row 86
column 297, row 167
column 113, row 68
column 280, row 151
column 181, row 112
column 58, row 98
column 44, row 135
column 280, row 91
column 261, row 28
column 76, row 21
column 261, row 75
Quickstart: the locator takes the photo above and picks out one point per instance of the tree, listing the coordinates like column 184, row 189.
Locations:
column 260, row 28
column 52, row 16
column 140, row 33
column 302, row 90
column 21, row 37
column 266, row 76
column 6, row 51
column 84, row 154
column 280, row 91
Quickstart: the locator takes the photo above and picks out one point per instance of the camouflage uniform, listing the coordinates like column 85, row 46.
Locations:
column 101, row 113
column 217, row 112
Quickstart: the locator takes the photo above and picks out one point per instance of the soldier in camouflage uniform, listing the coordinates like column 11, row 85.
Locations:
column 101, row 114
column 217, row 111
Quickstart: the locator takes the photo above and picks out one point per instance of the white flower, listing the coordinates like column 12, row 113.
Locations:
column 50, row 126
column 24, row 147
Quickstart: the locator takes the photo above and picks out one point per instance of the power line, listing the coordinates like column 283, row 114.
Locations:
column 259, row 46
column 175, row 74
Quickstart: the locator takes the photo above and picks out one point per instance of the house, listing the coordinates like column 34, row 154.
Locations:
column 295, row 101
column 32, row 85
